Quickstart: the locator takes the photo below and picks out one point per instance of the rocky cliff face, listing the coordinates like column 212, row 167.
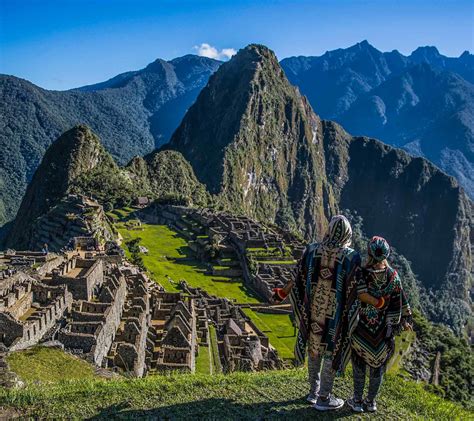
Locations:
column 255, row 142
column 423, row 213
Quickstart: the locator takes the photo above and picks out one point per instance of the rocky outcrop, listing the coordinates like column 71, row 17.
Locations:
column 74, row 154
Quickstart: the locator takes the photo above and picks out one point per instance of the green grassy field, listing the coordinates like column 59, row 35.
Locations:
column 170, row 257
column 203, row 361
column 278, row 328
column 41, row 364
column 243, row 396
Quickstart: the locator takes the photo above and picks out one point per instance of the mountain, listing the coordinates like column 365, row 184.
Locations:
column 426, row 111
column 254, row 141
column 77, row 176
column 423, row 102
column 133, row 113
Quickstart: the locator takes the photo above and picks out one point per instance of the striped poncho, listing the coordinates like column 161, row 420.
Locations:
column 336, row 307
column 373, row 338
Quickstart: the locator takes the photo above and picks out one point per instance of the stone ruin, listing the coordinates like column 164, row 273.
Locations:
column 242, row 346
column 29, row 309
column 103, row 309
column 172, row 342
column 263, row 257
column 107, row 311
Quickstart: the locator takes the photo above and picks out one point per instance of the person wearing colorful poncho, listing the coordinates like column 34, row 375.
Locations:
column 372, row 341
column 325, row 298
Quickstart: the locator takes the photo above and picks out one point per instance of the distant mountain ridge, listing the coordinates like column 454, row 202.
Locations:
column 423, row 102
column 369, row 92
column 133, row 114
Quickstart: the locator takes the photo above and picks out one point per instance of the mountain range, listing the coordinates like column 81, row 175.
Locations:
column 422, row 102
column 133, row 113
column 252, row 144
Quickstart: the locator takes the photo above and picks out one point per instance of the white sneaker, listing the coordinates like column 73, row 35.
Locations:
column 356, row 406
column 312, row 398
column 331, row 403
column 370, row 406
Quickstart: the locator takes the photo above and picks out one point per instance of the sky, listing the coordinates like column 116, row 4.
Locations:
column 62, row 44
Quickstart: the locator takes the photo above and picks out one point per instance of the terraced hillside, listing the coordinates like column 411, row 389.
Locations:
column 170, row 258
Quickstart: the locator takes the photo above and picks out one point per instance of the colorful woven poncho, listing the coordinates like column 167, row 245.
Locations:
column 373, row 339
column 324, row 296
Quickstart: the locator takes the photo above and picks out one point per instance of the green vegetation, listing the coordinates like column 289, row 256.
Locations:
column 216, row 361
column 169, row 257
column 403, row 343
column 456, row 380
column 266, row 395
column 40, row 364
column 135, row 256
column 278, row 328
column 203, row 360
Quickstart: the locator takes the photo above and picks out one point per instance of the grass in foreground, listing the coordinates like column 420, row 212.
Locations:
column 40, row 364
column 267, row 395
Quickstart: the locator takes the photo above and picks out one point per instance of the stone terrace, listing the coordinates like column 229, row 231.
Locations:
column 265, row 257
column 241, row 345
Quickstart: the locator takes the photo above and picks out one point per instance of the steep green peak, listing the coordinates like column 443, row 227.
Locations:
column 247, row 102
column 74, row 154
column 76, row 151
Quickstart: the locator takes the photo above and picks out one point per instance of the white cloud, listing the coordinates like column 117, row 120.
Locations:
column 207, row 50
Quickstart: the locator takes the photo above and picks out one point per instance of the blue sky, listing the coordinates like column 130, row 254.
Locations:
column 68, row 43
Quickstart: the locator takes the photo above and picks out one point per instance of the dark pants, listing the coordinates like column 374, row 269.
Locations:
column 359, row 369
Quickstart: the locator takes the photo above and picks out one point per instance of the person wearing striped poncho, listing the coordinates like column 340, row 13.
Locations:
column 325, row 298
column 372, row 341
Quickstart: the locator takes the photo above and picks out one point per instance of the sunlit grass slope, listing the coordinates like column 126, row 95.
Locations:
column 265, row 395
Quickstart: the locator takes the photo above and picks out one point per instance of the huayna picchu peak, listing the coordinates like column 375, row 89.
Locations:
column 254, row 140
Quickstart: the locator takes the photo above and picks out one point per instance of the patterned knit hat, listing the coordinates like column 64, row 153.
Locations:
column 378, row 248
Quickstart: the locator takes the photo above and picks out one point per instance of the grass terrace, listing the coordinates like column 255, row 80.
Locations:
column 40, row 364
column 278, row 328
column 170, row 257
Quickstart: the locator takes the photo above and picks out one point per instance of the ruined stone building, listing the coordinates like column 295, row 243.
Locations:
column 173, row 332
column 242, row 346
column 29, row 309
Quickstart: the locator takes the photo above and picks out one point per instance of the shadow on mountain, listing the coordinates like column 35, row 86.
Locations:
column 220, row 409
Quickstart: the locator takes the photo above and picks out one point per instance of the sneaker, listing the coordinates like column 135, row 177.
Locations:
column 312, row 397
column 370, row 406
column 356, row 406
column 329, row 404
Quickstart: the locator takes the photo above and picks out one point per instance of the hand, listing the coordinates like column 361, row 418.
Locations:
column 406, row 326
column 276, row 297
